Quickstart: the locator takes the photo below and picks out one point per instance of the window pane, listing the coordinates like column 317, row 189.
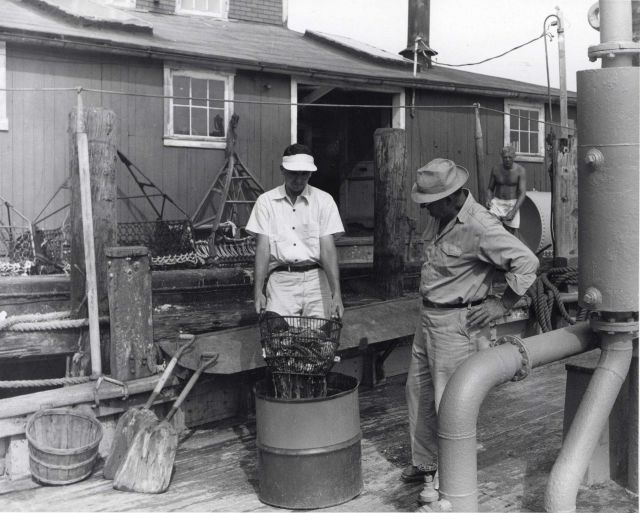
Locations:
column 214, row 6
column 181, row 120
column 524, row 143
column 216, row 123
column 514, row 140
column 198, row 121
column 534, row 115
column 514, row 121
column 180, row 88
column 198, row 90
column 216, row 91
column 534, row 143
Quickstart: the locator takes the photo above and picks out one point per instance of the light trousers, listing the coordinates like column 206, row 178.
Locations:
column 442, row 341
column 299, row 293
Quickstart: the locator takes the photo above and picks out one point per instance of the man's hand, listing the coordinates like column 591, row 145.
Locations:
column 488, row 204
column 336, row 309
column 261, row 302
column 481, row 315
column 510, row 215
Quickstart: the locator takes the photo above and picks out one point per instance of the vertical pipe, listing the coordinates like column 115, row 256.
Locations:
column 615, row 26
column 592, row 414
column 418, row 24
column 632, row 468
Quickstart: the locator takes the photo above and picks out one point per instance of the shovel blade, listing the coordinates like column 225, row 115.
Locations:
column 129, row 424
column 148, row 464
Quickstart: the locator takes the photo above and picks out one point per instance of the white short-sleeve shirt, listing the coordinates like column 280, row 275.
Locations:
column 294, row 230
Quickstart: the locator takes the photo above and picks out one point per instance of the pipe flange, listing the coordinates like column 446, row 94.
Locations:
column 615, row 327
column 613, row 48
column 525, row 367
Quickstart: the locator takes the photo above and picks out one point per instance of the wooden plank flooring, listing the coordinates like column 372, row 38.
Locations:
column 519, row 429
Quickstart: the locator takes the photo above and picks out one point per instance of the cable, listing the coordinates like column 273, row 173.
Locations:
column 491, row 58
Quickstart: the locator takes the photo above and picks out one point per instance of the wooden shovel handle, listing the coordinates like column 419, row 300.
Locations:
column 213, row 358
column 167, row 372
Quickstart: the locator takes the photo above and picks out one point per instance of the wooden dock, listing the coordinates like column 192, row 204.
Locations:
column 519, row 435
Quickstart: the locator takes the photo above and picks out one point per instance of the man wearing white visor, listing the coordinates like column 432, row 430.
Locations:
column 295, row 225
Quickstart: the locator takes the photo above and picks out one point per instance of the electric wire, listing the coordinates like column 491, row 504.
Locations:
column 491, row 58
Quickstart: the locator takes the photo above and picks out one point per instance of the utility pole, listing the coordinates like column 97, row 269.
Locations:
column 564, row 120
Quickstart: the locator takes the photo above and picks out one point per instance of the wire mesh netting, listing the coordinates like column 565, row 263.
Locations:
column 299, row 352
column 17, row 250
column 163, row 238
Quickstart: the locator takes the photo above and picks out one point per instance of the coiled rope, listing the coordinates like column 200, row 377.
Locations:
column 545, row 294
column 43, row 322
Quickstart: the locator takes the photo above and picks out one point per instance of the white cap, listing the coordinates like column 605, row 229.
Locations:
column 299, row 162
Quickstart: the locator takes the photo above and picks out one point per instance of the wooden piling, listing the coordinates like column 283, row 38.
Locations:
column 100, row 126
column 482, row 187
column 132, row 353
column 389, row 210
column 565, row 203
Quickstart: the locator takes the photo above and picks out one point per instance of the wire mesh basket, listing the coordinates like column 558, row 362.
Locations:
column 299, row 352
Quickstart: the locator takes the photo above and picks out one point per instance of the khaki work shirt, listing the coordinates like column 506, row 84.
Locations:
column 294, row 230
column 460, row 261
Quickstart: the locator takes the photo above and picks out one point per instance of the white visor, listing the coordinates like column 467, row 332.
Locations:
column 299, row 162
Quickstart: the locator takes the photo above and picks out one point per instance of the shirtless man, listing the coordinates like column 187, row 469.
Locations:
column 507, row 190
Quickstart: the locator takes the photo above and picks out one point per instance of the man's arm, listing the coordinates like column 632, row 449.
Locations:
column 329, row 261
column 490, row 188
column 509, row 254
column 522, row 193
column 261, row 266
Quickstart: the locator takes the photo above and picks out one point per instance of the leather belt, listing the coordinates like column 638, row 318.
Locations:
column 296, row 268
column 429, row 304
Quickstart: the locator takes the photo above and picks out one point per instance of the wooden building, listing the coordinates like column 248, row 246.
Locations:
column 330, row 92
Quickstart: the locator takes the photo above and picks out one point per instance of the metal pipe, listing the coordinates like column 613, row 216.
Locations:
column 469, row 386
column 592, row 414
column 615, row 27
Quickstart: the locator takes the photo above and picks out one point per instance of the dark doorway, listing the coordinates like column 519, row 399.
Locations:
column 341, row 139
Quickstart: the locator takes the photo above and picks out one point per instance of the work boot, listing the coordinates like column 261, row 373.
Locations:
column 416, row 473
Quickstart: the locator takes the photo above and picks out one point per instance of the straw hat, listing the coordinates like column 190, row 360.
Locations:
column 438, row 179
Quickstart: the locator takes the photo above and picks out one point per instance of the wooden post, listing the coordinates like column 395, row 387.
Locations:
column 100, row 137
column 565, row 204
column 390, row 210
column 132, row 353
column 564, row 118
column 482, row 188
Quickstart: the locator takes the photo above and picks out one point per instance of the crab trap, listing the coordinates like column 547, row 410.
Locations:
column 299, row 352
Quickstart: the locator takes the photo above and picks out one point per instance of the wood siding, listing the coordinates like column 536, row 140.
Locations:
column 450, row 133
column 34, row 152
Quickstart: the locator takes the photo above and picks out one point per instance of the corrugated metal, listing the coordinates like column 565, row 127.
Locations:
column 242, row 44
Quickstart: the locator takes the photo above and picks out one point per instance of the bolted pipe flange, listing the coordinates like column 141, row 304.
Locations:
column 525, row 367
column 611, row 328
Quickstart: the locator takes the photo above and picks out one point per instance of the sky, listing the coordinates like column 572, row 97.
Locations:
column 464, row 31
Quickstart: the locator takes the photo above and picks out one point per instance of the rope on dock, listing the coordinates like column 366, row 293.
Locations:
column 44, row 322
column 545, row 293
column 49, row 382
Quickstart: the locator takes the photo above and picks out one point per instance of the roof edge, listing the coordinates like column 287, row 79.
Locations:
column 108, row 47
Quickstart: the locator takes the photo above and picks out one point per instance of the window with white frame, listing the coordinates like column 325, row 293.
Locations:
column 198, row 108
column 4, row 120
column 524, row 129
column 216, row 8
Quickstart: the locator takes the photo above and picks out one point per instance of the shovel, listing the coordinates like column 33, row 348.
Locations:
column 135, row 419
column 149, row 461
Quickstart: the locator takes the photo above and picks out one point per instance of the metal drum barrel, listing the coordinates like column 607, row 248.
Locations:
column 309, row 452
column 535, row 222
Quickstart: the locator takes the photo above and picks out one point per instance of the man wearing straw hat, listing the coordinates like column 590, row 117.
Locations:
column 296, row 256
column 463, row 249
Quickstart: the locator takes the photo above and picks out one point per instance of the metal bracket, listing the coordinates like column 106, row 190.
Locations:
column 525, row 367
column 101, row 379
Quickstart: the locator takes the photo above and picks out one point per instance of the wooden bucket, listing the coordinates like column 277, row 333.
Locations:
column 63, row 445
